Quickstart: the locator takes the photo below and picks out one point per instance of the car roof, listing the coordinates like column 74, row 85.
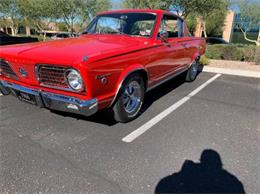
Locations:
column 154, row 11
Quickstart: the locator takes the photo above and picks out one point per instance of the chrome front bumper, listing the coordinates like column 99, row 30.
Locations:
column 53, row 101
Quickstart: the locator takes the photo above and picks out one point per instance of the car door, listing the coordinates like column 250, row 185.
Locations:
column 170, row 56
column 174, row 27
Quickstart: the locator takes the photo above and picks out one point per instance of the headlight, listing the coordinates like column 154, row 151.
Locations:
column 74, row 80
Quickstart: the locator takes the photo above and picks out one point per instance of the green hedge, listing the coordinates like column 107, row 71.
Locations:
column 231, row 52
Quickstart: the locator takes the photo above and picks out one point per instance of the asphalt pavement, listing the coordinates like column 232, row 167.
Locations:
column 210, row 142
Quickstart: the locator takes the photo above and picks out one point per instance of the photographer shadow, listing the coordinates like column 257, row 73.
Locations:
column 206, row 177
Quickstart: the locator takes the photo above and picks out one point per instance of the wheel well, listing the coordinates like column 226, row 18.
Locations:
column 140, row 72
column 197, row 59
column 144, row 75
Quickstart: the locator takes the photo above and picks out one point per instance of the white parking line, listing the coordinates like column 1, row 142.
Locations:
column 138, row 132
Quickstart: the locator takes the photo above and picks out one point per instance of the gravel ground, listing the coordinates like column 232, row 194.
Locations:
column 236, row 65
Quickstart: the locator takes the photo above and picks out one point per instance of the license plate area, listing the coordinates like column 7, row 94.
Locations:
column 25, row 97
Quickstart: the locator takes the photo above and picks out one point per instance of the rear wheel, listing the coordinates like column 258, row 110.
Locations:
column 192, row 73
column 130, row 100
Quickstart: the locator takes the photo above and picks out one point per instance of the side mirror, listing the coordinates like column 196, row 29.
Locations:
column 164, row 36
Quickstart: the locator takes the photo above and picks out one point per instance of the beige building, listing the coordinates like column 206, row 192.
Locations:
column 228, row 27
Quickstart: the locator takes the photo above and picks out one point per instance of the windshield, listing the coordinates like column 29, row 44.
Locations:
column 133, row 24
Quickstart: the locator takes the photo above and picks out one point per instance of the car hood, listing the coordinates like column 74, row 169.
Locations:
column 73, row 50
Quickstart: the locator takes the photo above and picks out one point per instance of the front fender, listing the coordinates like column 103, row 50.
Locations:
column 129, row 70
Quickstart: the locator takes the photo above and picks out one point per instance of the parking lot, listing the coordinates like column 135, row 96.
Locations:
column 52, row 152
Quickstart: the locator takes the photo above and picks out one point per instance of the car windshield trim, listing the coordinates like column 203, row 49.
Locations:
column 94, row 21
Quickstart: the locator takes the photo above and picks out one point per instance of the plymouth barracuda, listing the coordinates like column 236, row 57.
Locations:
column 116, row 60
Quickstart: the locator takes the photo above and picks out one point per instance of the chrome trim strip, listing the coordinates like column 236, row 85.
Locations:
column 20, row 88
column 54, row 101
column 69, row 100
column 179, row 71
column 167, row 79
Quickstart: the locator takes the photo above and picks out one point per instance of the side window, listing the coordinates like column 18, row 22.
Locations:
column 142, row 28
column 172, row 25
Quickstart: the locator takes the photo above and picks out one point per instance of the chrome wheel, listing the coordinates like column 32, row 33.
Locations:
column 132, row 97
column 130, row 101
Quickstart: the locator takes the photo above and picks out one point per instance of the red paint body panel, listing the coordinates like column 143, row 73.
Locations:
column 112, row 55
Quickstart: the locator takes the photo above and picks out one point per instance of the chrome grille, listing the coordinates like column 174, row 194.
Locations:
column 53, row 76
column 6, row 70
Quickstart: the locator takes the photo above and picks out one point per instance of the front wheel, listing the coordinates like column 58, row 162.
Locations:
column 130, row 100
column 192, row 73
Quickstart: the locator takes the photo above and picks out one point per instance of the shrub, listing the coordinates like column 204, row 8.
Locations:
column 249, row 53
column 204, row 60
column 214, row 51
column 231, row 52
column 257, row 56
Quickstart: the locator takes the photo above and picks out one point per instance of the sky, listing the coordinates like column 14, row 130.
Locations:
column 234, row 6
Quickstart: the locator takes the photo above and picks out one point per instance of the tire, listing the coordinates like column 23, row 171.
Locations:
column 130, row 100
column 192, row 73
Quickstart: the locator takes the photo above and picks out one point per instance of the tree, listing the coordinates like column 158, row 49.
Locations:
column 207, row 8
column 215, row 22
column 184, row 8
column 9, row 12
column 90, row 8
column 191, row 22
column 69, row 11
column 148, row 4
column 249, row 19
column 79, row 11
column 38, row 13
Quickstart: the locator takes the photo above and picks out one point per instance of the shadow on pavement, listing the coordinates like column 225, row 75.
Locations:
column 206, row 177
column 167, row 87
column 162, row 90
column 104, row 117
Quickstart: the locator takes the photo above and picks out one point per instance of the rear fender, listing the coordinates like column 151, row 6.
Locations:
column 195, row 56
column 201, row 49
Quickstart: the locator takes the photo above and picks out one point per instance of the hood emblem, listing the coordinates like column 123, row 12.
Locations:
column 23, row 72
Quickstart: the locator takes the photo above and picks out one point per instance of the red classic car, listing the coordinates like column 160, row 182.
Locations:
column 120, row 56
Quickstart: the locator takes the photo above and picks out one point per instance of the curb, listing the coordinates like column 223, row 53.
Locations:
column 242, row 73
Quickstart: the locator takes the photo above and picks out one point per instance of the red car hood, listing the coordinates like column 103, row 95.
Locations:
column 69, row 51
